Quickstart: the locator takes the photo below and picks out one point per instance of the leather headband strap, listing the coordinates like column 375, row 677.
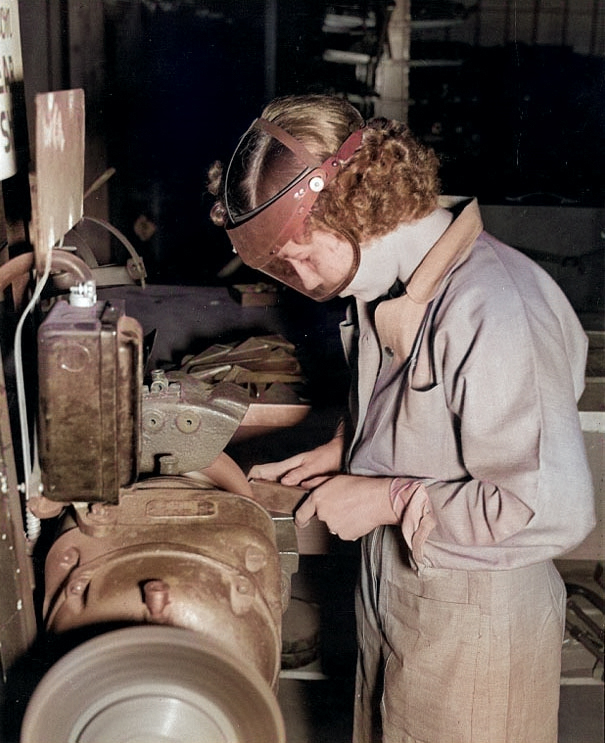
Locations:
column 298, row 148
column 346, row 151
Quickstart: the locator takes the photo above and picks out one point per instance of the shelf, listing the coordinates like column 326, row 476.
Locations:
column 426, row 48
column 435, row 63
column 436, row 23
column 344, row 57
column 336, row 23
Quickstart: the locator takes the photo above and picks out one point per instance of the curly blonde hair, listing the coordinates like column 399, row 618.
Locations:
column 392, row 178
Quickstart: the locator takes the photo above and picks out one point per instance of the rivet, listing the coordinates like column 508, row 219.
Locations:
column 255, row 559
column 243, row 585
column 316, row 184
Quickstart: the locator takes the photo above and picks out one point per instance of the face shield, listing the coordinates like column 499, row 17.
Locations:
column 271, row 185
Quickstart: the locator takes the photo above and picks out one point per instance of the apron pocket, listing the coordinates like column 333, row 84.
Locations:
column 431, row 669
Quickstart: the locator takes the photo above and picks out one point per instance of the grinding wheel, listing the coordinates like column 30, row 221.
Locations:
column 152, row 684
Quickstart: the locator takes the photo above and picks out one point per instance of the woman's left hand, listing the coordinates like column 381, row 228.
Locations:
column 350, row 505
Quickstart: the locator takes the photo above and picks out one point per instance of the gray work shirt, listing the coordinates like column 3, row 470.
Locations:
column 473, row 393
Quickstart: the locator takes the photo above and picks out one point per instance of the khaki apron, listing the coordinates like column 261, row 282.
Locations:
column 454, row 656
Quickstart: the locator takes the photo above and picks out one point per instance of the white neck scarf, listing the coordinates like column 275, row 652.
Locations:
column 395, row 256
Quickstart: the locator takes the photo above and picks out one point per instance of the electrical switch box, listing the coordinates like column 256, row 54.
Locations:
column 90, row 384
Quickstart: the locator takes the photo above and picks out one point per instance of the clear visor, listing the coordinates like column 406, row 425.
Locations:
column 271, row 185
column 321, row 269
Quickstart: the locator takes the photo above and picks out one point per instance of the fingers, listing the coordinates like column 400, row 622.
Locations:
column 275, row 471
column 299, row 474
column 304, row 512
column 315, row 482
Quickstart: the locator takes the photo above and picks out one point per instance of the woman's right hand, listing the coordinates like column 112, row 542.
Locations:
column 309, row 469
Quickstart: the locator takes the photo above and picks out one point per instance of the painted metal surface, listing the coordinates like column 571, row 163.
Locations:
column 90, row 377
column 187, row 421
column 172, row 553
column 58, row 186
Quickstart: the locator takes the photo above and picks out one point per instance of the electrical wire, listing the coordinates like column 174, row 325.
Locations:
column 33, row 523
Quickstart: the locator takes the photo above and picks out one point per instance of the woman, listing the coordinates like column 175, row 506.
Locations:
column 465, row 472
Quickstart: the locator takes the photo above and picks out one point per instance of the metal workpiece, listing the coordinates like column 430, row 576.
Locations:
column 90, row 378
column 174, row 554
column 188, row 421
column 266, row 368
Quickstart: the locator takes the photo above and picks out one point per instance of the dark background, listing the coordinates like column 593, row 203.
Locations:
column 512, row 120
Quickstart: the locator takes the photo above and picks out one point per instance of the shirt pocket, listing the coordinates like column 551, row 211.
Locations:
column 414, row 434
column 427, row 434
column 431, row 669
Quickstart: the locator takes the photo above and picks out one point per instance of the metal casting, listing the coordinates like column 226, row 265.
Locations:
column 174, row 554
column 187, row 422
